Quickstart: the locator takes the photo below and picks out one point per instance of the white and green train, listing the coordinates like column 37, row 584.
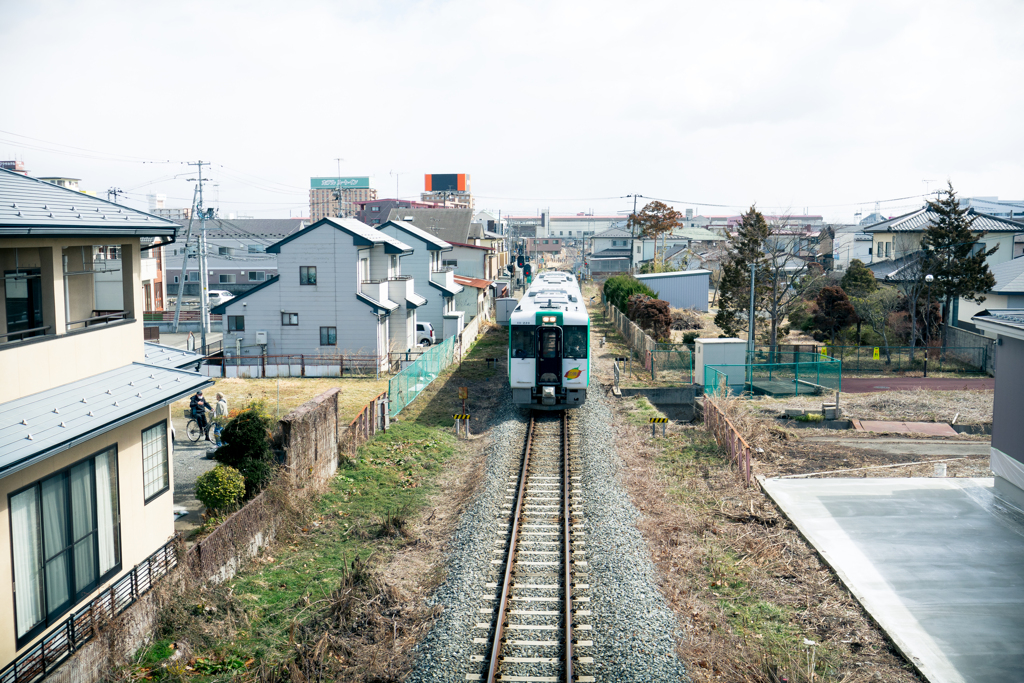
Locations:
column 549, row 344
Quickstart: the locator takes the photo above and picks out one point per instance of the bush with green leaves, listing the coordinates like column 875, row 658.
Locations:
column 246, row 447
column 221, row 488
column 619, row 288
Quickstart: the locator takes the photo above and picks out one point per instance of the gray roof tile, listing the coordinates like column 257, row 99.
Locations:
column 170, row 357
column 918, row 221
column 34, row 207
column 36, row 426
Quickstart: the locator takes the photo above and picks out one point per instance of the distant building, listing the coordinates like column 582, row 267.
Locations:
column 376, row 211
column 450, row 190
column 237, row 257
column 994, row 206
column 14, row 167
column 66, row 183
column 338, row 197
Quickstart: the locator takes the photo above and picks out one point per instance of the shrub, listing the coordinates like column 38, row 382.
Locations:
column 686, row 319
column 619, row 288
column 246, row 447
column 690, row 337
column 651, row 315
column 221, row 488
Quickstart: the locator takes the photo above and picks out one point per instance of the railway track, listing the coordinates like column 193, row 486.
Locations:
column 536, row 596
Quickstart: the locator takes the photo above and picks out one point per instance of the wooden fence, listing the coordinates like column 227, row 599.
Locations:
column 727, row 436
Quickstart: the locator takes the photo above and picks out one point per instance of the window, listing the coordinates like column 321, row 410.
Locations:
column 65, row 540
column 257, row 275
column 257, row 249
column 289, row 319
column 545, row 241
column 376, row 221
column 328, row 336
column 549, row 343
column 236, row 323
column 227, row 279
column 977, row 248
column 887, row 246
column 450, row 262
column 193, row 276
column 374, row 208
column 225, row 251
column 574, row 341
column 175, row 279
column 522, row 341
column 154, row 460
column 307, row 275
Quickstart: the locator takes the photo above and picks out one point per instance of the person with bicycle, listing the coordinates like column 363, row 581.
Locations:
column 199, row 406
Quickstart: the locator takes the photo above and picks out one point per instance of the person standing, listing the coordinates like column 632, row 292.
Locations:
column 199, row 406
column 220, row 409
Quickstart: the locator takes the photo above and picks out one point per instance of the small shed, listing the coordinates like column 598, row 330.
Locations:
column 682, row 289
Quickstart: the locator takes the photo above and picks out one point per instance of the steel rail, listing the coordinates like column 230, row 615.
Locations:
column 566, row 526
column 492, row 670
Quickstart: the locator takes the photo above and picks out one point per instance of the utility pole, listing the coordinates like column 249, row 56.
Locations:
column 204, row 278
column 337, row 189
column 750, row 321
column 184, row 262
column 113, row 193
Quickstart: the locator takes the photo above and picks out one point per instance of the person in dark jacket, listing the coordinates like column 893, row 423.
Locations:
column 199, row 406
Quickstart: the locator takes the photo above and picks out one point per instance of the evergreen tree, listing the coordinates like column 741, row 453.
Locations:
column 858, row 279
column 953, row 257
column 834, row 313
column 746, row 247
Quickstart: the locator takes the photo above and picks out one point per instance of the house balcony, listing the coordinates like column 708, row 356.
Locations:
column 443, row 277
column 375, row 289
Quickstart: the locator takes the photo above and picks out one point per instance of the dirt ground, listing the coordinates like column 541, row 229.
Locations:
column 914, row 405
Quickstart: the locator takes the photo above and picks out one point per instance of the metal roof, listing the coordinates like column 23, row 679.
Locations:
column 889, row 269
column 476, row 282
column 613, row 232
column 918, row 221
column 451, row 225
column 364, row 235
column 37, row 426
column 434, row 243
column 677, row 273
column 170, row 357
column 248, row 228
column 1008, row 321
column 33, row 207
column 1009, row 276
column 612, row 253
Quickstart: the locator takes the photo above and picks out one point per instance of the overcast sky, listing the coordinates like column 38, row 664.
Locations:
column 820, row 105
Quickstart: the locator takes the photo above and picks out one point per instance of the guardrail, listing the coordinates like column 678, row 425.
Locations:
column 727, row 436
column 40, row 660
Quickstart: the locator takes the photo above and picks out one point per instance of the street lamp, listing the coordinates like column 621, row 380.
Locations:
column 929, row 278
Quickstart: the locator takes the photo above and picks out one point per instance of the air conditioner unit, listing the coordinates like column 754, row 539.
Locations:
column 261, row 336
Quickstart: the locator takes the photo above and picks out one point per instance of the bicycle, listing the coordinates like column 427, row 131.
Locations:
column 192, row 429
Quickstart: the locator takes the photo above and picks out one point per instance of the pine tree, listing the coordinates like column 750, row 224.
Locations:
column 746, row 247
column 858, row 279
column 834, row 312
column 952, row 255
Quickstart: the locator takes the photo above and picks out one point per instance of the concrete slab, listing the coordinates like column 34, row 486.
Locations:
column 939, row 564
column 930, row 428
column 927, row 448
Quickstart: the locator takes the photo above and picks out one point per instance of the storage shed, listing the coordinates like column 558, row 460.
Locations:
column 684, row 289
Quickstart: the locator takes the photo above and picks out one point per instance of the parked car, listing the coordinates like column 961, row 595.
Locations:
column 219, row 296
column 424, row 334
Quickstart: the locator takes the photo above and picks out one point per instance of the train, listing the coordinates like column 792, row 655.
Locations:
column 549, row 344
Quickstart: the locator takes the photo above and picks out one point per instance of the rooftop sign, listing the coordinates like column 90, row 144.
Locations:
column 354, row 183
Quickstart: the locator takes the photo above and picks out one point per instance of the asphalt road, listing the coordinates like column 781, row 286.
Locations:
column 858, row 385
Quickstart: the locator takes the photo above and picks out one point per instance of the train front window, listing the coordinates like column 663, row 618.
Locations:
column 549, row 343
column 523, row 341
column 574, row 341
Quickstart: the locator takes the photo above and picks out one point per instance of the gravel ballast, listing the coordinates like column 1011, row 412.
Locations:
column 633, row 629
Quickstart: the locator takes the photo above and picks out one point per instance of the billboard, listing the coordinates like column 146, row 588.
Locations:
column 355, row 183
column 446, row 182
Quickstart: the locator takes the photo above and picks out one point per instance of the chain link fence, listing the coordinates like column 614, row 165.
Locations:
column 404, row 387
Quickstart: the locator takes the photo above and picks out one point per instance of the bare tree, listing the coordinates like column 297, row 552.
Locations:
column 782, row 269
column 909, row 279
column 875, row 309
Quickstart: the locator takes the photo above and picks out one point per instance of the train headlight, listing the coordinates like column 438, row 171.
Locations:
column 548, row 319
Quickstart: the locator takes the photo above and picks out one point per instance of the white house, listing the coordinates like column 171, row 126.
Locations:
column 425, row 265
column 476, row 298
column 339, row 291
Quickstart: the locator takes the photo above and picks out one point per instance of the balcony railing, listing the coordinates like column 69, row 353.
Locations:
column 99, row 319
column 40, row 660
column 20, row 334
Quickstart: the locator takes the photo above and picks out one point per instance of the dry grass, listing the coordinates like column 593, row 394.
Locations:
column 915, row 405
column 747, row 588
column 294, row 391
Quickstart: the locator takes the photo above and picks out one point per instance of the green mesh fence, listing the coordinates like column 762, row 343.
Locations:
column 776, row 379
column 673, row 365
column 404, row 387
column 879, row 360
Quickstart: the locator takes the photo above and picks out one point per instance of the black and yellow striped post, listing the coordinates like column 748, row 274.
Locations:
column 465, row 420
column 655, row 421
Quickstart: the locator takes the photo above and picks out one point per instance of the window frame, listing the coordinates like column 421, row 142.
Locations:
column 229, row 281
column 328, row 342
column 289, row 324
column 76, row 597
column 263, row 273
column 235, row 318
column 167, row 460
column 304, row 272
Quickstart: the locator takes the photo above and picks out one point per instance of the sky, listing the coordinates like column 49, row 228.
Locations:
column 789, row 105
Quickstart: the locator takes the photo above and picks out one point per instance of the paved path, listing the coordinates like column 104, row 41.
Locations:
column 860, row 385
column 904, row 446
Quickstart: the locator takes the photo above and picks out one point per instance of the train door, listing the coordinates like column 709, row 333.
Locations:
column 549, row 355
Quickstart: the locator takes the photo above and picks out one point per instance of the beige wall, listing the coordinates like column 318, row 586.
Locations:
column 144, row 528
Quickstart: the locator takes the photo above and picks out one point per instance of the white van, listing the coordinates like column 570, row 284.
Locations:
column 424, row 334
column 219, row 296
